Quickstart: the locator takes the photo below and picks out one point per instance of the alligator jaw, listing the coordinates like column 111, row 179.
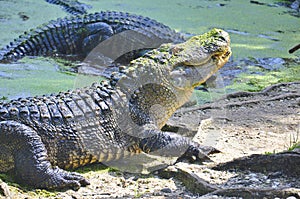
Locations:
column 222, row 58
column 197, row 74
column 206, row 70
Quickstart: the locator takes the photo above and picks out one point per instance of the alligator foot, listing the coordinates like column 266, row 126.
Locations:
column 31, row 163
column 60, row 179
column 170, row 144
column 197, row 153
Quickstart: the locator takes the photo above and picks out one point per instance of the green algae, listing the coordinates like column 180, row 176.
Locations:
column 42, row 193
column 257, row 82
column 93, row 167
column 255, row 31
column 8, row 179
column 32, row 77
column 260, row 30
column 202, row 97
column 12, row 25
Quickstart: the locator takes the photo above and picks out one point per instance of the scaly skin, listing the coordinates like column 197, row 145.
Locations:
column 75, row 37
column 40, row 137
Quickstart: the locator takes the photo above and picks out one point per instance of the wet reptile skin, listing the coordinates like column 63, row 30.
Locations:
column 74, row 37
column 42, row 136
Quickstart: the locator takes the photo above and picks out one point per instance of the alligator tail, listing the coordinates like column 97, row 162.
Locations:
column 56, row 37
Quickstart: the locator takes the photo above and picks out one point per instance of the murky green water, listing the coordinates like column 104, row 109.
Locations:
column 256, row 31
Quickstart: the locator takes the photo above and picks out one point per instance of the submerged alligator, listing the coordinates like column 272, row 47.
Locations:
column 75, row 37
column 41, row 137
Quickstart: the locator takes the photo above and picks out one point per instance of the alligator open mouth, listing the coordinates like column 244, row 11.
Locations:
column 223, row 57
column 216, row 62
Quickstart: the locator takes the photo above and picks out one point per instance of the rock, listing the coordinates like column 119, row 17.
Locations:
column 249, row 193
column 180, row 128
column 295, row 5
column 296, row 150
column 285, row 162
column 166, row 190
column 190, row 180
column 291, row 197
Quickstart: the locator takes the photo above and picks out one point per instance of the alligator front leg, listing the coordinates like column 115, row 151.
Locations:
column 31, row 163
column 173, row 145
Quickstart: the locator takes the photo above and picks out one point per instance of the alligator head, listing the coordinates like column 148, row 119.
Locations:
column 194, row 61
column 161, row 81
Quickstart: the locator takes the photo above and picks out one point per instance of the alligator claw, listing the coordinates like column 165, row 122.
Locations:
column 60, row 179
column 198, row 153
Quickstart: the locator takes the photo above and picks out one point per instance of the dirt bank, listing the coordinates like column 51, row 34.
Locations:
column 240, row 124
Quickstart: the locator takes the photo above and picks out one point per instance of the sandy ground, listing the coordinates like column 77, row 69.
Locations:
column 238, row 125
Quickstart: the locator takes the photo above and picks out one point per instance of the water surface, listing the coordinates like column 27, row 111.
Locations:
column 256, row 31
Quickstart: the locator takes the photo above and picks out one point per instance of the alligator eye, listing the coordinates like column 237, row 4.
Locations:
column 178, row 82
column 222, row 39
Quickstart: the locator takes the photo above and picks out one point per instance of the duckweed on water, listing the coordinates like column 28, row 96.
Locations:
column 257, row 82
column 256, row 31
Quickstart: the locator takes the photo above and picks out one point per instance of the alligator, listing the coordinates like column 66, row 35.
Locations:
column 74, row 37
column 71, row 6
column 43, row 137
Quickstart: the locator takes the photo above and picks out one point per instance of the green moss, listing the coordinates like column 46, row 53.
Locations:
column 270, row 31
column 30, row 77
column 137, row 193
column 294, row 146
column 6, row 177
column 254, row 27
column 13, row 24
column 93, row 167
column 206, row 39
column 270, row 153
column 44, row 193
column 257, row 82
column 203, row 97
column 3, row 98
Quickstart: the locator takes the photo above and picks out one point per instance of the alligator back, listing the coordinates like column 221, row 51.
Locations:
column 77, row 36
column 72, row 125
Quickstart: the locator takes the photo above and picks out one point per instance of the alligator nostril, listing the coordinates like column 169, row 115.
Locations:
column 226, row 54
